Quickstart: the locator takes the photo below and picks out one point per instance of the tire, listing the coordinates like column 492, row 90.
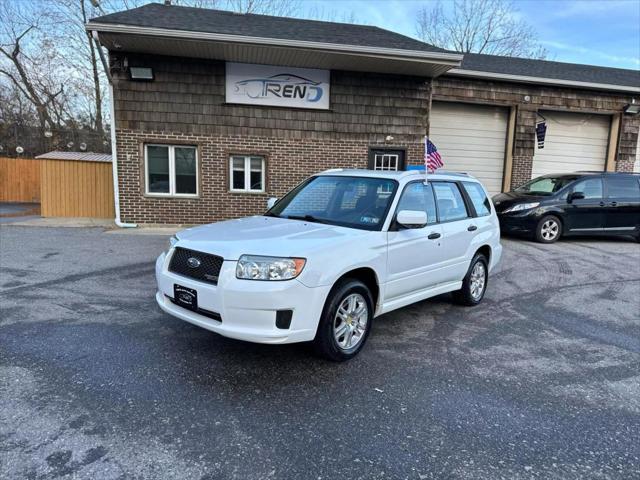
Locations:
column 477, row 276
column 355, row 329
column 549, row 229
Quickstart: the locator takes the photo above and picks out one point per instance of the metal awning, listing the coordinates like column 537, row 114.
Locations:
column 272, row 51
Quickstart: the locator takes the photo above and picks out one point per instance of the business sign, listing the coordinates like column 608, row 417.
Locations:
column 278, row 86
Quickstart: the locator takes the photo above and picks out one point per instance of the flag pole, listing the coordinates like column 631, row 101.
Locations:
column 426, row 158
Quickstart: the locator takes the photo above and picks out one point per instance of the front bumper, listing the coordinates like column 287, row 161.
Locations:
column 525, row 222
column 247, row 308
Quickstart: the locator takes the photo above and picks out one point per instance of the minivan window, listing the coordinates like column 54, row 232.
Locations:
column 450, row 202
column 478, row 198
column 356, row 202
column 622, row 186
column 546, row 185
column 591, row 188
column 418, row 196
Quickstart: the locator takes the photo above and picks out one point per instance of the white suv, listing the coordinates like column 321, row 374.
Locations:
column 338, row 250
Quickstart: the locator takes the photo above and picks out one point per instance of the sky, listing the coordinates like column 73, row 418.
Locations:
column 593, row 32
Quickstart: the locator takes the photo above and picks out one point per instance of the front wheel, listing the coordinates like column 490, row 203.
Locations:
column 549, row 229
column 346, row 321
column 474, row 283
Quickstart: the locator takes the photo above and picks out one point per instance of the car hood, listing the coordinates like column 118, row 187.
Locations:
column 502, row 201
column 260, row 235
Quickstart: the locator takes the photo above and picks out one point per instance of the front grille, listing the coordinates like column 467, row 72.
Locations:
column 207, row 270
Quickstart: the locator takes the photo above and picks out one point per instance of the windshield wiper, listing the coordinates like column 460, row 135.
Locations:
column 269, row 214
column 308, row 218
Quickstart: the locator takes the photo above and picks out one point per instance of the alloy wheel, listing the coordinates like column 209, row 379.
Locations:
column 478, row 280
column 550, row 230
column 350, row 322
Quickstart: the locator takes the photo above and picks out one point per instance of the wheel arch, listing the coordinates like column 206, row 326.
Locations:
column 486, row 251
column 366, row 275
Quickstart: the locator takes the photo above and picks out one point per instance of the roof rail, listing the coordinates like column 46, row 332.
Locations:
column 443, row 172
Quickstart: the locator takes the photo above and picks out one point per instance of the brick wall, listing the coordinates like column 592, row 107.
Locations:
column 541, row 98
column 288, row 162
column 185, row 104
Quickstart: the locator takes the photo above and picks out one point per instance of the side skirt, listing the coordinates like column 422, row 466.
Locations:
column 418, row 296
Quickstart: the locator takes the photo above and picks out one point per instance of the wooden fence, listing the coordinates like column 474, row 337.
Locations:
column 19, row 180
column 73, row 188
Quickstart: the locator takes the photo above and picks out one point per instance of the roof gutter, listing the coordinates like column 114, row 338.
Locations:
column 114, row 152
column 541, row 80
column 453, row 59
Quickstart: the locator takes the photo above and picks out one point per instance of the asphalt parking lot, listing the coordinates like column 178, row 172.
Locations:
column 540, row 381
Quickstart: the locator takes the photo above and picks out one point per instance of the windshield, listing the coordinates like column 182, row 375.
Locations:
column 546, row 185
column 356, row 202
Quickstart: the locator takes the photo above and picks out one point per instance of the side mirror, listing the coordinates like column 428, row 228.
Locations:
column 271, row 202
column 411, row 218
column 575, row 196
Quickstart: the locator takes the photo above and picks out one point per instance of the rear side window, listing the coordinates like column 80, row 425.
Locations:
column 591, row 187
column 622, row 186
column 450, row 203
column 478, row 198
column 418, row 196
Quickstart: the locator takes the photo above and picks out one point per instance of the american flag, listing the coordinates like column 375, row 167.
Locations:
column 432, row 159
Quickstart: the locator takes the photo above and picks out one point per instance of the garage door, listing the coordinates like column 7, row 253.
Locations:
column 574, row 141
column 472, row 139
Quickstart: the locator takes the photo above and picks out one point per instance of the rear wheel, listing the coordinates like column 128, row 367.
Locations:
column 474, row 283
column 549, row 229
column 346, row 321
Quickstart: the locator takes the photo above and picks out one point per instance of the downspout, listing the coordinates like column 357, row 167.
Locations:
column 114, row 154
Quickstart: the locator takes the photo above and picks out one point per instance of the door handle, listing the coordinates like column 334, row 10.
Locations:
column 602, row 204
column 433, row 236
column 613, row 204
column 472, row 228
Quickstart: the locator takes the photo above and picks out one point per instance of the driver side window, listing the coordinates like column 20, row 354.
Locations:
column 418, row 196
column 591, row 188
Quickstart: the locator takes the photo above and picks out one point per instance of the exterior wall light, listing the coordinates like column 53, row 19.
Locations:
column 142, row 74
column 632, row 108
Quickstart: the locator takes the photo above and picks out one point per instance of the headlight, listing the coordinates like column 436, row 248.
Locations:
column 252, row 267
column 521, row 206
column 172, row 241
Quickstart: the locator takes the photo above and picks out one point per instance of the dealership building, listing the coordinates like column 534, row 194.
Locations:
column 215, row 112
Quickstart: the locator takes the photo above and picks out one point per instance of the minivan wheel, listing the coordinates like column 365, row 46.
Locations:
column 549, row 229
column 474, row 283
column 346, row 321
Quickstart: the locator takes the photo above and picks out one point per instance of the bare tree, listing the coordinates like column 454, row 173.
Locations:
column 27, row 60
column 479, row 26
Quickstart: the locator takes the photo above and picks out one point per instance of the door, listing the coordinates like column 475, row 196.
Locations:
column 585, row 214
column 458, row 229
column 386, row 159
column 622, row 203
column 414, row 255
column 472, row 139
column 573, row 142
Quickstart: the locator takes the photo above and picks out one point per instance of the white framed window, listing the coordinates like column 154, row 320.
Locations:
column 171, row 170
column 385, row 161
column 246, row 173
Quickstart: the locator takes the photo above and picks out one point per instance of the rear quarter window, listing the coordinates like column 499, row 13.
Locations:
column 478, row 198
